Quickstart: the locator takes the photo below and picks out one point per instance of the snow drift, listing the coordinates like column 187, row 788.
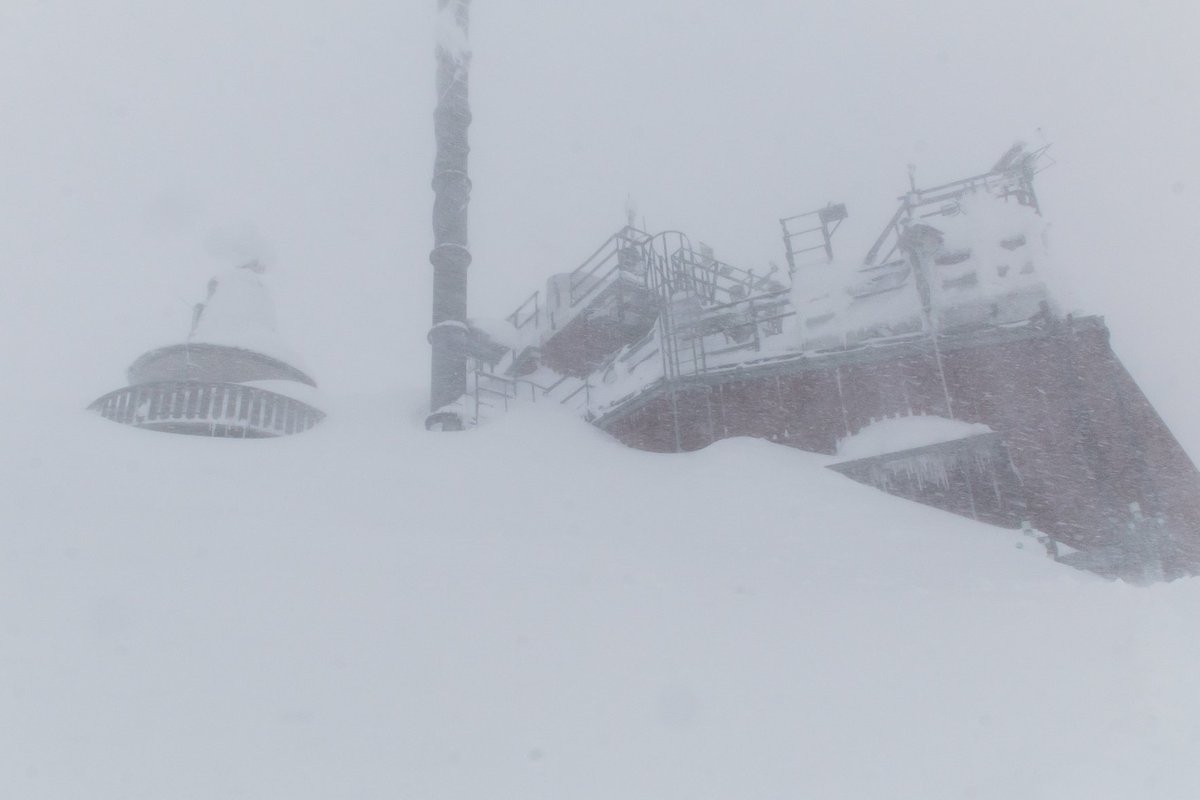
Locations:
column 531, row 610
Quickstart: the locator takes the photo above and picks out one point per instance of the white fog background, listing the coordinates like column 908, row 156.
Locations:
column 531, row 610
column 149, row 144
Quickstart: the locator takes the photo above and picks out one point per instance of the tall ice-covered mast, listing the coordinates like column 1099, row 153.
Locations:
column 452, row 193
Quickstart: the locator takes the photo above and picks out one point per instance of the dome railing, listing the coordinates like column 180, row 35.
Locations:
column 208, row 408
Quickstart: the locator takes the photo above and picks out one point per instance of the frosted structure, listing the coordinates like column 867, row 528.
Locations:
column 939, row 367
column 233, row 377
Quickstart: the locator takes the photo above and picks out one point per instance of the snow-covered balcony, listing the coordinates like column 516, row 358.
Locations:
column 603, row 305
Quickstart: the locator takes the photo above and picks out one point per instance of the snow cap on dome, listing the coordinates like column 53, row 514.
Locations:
column 238, row 312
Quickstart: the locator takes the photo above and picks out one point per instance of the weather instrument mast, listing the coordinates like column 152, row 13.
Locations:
column 451, row 255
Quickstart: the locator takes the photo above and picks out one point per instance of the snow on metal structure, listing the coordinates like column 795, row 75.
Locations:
column 232, row 378
column 641, row 309
column 956, row 256
column 949, row 314
column 656, row 306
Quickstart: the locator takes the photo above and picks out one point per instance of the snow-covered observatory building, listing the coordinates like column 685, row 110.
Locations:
column 938, row 367
column 233, row 377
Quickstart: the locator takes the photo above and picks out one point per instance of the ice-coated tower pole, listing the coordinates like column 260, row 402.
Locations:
column 452, row 192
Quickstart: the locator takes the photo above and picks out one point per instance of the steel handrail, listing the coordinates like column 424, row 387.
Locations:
column 589, row 282
column 582, row 274
column 745, row 300
column 512, row 381
column 514, row 317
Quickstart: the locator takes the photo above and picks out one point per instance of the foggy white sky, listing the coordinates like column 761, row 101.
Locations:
column 149, row 144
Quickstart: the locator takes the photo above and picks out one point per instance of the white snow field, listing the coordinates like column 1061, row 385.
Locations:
column 531, row 610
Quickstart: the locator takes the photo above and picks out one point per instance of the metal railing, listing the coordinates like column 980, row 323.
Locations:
column 524, row 315
column 799, row 241
column 208, row 408
column 502, row 390
column 708, row 309
column 715, row 281
column 1011, row 177
column 621, row 251
column 741, row 325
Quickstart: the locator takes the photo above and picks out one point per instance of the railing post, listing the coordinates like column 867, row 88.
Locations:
column 476, row 395
column 754, row 322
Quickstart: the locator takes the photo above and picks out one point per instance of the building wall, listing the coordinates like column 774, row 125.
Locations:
column 1082, row 437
